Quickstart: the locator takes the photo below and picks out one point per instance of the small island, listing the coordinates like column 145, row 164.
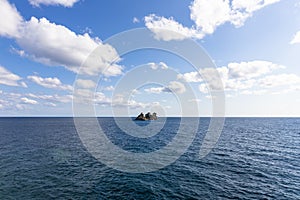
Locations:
column 148, row 116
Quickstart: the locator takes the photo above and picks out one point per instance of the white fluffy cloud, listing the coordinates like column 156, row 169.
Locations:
column 234, row 76
column 211, row 76
column 190, row 77
column 176, row 87
column 160, row 65
column 56, row 45
column 243, row 77
column 10, row 21
column 243, row 9
column 84, row 83
column 100, row 98
column 234, row 70
column 246, row 70
column 65, row 3
column 172, row 87
column 49, row 82
column 10, row 79
column 169, row 29
column 296, row 38
column 207, row 16
column 28, row 101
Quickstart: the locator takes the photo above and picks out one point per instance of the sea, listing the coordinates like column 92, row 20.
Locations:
column 254, row 158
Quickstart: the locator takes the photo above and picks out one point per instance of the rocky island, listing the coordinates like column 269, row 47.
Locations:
column 148, row 116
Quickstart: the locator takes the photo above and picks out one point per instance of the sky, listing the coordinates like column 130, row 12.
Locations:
column 254, row 46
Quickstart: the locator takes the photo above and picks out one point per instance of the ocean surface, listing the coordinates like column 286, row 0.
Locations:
column 255, row 158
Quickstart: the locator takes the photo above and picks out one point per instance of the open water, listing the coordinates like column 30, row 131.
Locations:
column 255, row 158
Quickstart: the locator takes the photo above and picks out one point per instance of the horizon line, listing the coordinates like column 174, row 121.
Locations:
column 172, row 116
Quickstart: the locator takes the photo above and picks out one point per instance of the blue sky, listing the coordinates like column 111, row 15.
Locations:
column 255, row 46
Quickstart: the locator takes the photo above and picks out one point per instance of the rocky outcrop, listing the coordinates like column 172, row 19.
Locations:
column 148, row 116
column 140, row 117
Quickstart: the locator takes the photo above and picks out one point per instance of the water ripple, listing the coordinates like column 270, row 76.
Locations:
column 256, row 158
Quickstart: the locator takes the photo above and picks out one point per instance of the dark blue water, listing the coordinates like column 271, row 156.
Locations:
column 255, row 158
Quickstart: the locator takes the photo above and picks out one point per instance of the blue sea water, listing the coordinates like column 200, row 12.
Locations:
column 255, row 158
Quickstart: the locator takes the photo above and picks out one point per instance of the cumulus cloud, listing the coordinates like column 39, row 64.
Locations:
column 234, row 76
column 160, row 65
column 213, row 79
column 190, row 77
column 207, row 15
column 244, row 77
column 56, row 45
column 84, row 83
column 241, row 10
column 172, row 87
column 168, row 29
column 10, row 79
column 235, row 84
column 246, row 70
column 176, row 87
column 101, row 99
column 28, row 101
column 65, row 3
column 296, row 38
column 53, row 83
column 11, row 20
column 203, row 88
